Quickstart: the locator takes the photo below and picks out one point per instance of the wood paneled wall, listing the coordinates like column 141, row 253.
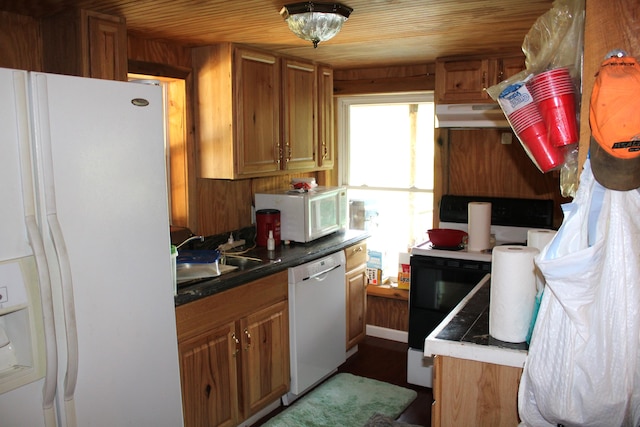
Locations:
column 407, row 78
column 20, row 42
column 478, row 164
column 609, row 24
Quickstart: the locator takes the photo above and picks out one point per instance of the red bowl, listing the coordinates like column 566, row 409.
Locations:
column 446, row 237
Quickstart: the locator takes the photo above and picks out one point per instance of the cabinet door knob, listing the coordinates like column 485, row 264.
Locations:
column 358, row 249
column 237, row 342
column 248, row 335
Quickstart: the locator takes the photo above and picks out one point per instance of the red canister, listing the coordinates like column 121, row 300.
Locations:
column 267, row 219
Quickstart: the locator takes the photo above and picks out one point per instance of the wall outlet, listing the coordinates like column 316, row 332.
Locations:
column 506, row 138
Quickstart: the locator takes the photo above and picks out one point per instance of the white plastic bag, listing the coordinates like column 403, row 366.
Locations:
column 583, row 367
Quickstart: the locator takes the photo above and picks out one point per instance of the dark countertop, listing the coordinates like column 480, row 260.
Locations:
column 284, row 256
column 465, row 333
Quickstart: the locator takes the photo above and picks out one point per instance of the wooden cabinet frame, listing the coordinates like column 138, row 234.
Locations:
column 465, row 79
column 256, row 113
column 85, row 43
column 234, row 352
column 356, row 289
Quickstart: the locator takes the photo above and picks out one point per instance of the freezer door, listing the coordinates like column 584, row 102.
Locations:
column 22, row 344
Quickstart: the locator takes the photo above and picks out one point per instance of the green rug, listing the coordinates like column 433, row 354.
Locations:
column 345, row 400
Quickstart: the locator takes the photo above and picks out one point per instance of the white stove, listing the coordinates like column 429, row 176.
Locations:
column 511, row 219
column 500, row 235
column 440, row 278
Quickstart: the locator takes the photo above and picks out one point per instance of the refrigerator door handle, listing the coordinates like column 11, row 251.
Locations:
column 37, row 246
column 50, row 379
column 42, row 125
column 71, row 375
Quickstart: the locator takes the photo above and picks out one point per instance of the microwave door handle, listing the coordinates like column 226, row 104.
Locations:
column 316, row 217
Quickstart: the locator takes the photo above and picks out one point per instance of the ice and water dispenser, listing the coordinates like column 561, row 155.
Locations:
column 21, row 331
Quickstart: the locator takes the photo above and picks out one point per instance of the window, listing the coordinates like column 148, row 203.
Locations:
column 387, row 143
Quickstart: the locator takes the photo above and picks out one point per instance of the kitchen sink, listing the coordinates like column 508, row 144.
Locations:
column 239, row 262
column 191, row 271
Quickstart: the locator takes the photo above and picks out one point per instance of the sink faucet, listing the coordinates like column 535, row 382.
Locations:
column 201, row 238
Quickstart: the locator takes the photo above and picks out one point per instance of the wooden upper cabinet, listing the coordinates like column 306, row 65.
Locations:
column 300, row 112
column 85, row 43
column 326, row 146
column 256, row 113
column 257, row 104
column 237, row 103
column 465, row 80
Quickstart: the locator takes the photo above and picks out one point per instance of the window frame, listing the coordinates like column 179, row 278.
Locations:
column 343, row 104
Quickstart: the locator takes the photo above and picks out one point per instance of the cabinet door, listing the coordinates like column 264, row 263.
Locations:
column 471, row 393
column 85, row 43
column 208, row 370
column 356, row 306
column 463, row 81
column 326, row 155
column 510, row 66
column 257, row 112
column 265, row 356
column 107, row 52
column 300, row 103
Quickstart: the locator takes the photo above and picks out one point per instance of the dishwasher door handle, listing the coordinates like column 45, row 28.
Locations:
column 322, row 273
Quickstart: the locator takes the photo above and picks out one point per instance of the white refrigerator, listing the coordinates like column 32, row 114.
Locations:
column 87, row 319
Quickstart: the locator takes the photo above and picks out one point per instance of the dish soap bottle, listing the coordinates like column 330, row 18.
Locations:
column 271, row 242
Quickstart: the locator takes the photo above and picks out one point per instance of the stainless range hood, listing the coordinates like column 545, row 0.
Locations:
column 470, row 116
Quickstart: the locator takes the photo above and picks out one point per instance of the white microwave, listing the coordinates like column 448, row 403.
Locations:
column 307, row 216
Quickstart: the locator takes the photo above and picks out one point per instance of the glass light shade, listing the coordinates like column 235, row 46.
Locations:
column 315, row 22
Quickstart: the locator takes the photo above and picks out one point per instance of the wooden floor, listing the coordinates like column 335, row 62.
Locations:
column 385, row 360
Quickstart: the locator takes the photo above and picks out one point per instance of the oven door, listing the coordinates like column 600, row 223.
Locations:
column 437, row 286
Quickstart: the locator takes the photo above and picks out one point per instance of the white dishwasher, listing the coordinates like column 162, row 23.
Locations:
column 317, row 322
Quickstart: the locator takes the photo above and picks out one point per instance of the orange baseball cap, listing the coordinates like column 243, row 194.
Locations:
column 614, row 116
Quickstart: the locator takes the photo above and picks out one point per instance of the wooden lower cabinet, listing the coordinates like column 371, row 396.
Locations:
column 208, row 371
column 356, row 288
column 234, row 352
column 474, row 394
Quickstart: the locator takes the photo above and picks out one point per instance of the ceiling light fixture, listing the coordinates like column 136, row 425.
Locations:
column 313, row 21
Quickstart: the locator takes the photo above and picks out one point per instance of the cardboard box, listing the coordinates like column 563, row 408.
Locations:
column 374, row 259
column 374, row 276
column 404, row 271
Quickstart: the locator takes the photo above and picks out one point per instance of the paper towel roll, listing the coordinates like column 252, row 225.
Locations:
column 513, row 292
column 538, row 238
column 479, row 225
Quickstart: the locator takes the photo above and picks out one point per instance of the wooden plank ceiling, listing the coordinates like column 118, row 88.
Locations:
column 379, row 32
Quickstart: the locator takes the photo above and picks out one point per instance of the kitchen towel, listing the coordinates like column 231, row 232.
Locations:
column 513, row 292
column 479, row 225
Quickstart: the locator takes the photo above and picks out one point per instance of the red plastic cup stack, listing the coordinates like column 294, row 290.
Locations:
column 529, row 126
column 554, row 93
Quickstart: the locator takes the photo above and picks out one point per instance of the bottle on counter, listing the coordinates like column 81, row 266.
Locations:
column 271, row 242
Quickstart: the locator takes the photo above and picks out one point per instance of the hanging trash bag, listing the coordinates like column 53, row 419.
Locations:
column 583, row 366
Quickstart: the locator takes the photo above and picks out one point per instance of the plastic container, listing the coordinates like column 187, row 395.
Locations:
column 267, row 220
